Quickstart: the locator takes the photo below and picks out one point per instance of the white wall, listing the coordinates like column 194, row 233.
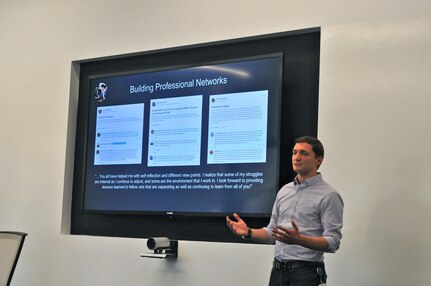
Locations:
column 373, row 119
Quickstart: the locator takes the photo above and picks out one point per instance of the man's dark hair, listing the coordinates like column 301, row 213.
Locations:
column 316, row 145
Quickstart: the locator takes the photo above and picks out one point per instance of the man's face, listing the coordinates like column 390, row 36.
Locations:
column 304, row 160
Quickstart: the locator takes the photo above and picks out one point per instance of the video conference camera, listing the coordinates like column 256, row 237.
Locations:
column 163, row 247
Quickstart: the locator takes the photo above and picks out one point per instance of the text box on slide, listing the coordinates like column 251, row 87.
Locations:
column 237, row 129
column 175, row 131
column 119, row 134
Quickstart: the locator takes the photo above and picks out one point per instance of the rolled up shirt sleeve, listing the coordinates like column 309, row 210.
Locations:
column 332, row 220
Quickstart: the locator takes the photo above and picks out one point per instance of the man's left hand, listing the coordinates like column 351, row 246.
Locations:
column 287, row 235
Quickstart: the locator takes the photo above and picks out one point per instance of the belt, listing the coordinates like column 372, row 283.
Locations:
column 293, row 264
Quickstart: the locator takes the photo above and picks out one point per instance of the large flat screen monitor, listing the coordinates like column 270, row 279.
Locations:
column 168, row 142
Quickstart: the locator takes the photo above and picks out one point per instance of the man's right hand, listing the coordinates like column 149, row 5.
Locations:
column 237, row 226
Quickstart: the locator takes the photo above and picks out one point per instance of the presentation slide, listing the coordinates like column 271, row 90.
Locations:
column 186, row 140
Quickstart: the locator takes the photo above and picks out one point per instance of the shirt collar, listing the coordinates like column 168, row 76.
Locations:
column 308, row 182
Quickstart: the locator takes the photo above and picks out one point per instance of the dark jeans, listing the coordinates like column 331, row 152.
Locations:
column 298, row 274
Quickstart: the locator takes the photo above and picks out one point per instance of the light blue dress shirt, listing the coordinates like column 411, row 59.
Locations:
column 317, row 210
